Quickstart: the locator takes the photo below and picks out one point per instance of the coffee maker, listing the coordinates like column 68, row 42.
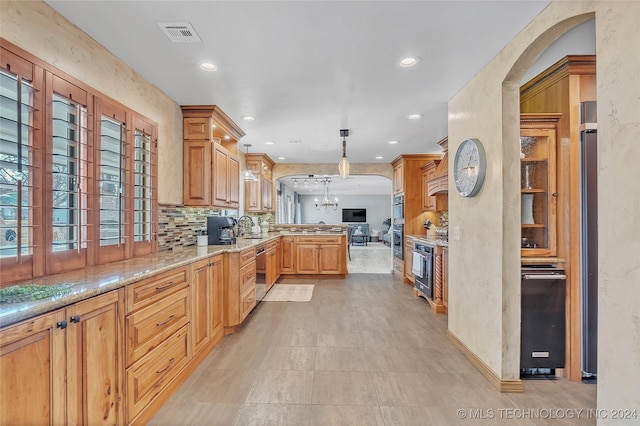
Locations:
column 220, row 230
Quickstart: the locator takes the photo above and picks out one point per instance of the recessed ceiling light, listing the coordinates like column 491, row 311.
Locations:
column 227, row 137
column 414, row 116
column 379, row 157
column 282, row 158
column 208, row 66
column 248, row 118
column 393, row 142
column 268, row 143
column 408, row 62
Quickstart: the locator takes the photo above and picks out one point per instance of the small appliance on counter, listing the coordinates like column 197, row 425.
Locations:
column 221, row 230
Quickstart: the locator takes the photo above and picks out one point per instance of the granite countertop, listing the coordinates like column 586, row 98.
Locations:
column 432, row 241
column 94, row 280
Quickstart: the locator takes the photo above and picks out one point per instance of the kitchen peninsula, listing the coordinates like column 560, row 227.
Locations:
column 142, row 325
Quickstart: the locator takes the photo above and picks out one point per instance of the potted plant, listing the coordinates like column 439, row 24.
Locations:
column 387, row 223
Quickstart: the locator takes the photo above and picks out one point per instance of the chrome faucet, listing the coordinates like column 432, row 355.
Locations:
column 242, row 226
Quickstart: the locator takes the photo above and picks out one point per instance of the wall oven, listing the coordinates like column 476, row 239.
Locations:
column 424, row 279
column 398, row 241
column 398, row 209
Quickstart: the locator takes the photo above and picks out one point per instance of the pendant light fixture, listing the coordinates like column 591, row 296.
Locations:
column 247, row 174
column 343, row 165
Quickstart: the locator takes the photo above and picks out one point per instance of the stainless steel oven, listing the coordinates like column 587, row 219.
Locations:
column 398, row 240
column 398, row 209
column 424, row 279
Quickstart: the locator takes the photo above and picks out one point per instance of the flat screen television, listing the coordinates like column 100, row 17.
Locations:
column 354, row 215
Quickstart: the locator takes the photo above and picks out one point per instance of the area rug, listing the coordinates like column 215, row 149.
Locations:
column 289, row 293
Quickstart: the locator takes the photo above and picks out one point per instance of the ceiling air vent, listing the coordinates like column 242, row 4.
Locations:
column 181, row 32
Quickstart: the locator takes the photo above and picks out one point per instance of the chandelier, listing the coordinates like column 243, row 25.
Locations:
column 326, row 204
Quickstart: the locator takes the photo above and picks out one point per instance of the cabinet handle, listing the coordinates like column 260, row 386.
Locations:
column 62, row 324
column 162, row 287
column 74, row 318
column 168, row 365
column 160, row 324
column 554, row 195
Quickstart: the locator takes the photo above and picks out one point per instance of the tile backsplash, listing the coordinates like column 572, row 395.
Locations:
column 178, row 225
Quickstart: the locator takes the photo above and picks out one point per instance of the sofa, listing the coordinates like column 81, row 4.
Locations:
column 387, row 237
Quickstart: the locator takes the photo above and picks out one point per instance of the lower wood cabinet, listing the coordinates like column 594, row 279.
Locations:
column 239, row 287
column 409, row 246
column 206, row 302
column 445, row 278
column 287, row 255
column 321, row 255
column 64, row 367
column 158, row 344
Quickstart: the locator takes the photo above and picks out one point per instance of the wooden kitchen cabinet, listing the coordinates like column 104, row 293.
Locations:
column 435, row 182
column 287, row 255
column 239, row 287
column 409, row 247
column 321, row 255
column 210, row 161
column 157, row 338
column 271, row 260
column 64, row 367
column 445, row 278
column 538, row 183
column 259, row 194
column 206, row 302
column 398, row 177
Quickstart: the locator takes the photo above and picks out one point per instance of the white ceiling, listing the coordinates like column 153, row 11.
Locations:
column 306, row 69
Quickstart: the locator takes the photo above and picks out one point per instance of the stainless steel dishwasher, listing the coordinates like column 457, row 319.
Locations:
column 543, row 296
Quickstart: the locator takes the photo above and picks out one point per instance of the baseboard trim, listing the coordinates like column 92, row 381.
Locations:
column 503, row 385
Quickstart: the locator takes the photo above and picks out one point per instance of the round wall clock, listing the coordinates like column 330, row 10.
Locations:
column 469, row 167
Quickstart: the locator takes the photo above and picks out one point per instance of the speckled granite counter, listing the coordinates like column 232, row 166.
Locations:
column 432, row 241
column 95, row 280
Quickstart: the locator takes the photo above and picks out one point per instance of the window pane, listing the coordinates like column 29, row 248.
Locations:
column 16, row 165
column 111, row 173
column 69, row 147
column 142, row 187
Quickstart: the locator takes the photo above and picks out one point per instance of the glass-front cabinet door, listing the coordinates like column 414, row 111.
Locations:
column 538, row 184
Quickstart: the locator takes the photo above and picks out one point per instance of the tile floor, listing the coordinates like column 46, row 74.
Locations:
column 364, row 351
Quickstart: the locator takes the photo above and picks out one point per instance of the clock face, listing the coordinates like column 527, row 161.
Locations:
column 469, row 167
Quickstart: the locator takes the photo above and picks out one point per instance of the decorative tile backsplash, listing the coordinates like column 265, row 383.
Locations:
column 178, row 226
column 443, row 219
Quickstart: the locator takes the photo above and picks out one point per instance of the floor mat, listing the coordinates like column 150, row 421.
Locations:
column 289, row 293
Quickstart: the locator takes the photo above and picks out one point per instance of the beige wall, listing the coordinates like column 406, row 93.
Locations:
column 484, row 296
column 41, row 31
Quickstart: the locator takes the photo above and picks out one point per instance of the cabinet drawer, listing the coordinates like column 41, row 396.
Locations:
column 148, row 377
column 247, row 256
column 247, row 276
column 247, row 302
column 320, row 240
column 149, row 327
column 152, row 289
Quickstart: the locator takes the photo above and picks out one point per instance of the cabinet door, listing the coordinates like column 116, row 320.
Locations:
column 197, row 128
column 220, row 177
column 428, row 202
column 217, row 304
column 252, row 196
column 409, row 246
column 201, row 295
column 398, row 178
column 197, row 173
column 538, row 183
column 267, row 194
column 32, row 365
column 288, row 255
column 307, row 259
column 330, row 259
column 94, row 356
column 233, row 181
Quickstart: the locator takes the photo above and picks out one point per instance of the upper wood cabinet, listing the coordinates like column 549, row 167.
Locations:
column 258, row 195
column 398, row 176
column 211, row 163
column 435, row 182
column 538, row 183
